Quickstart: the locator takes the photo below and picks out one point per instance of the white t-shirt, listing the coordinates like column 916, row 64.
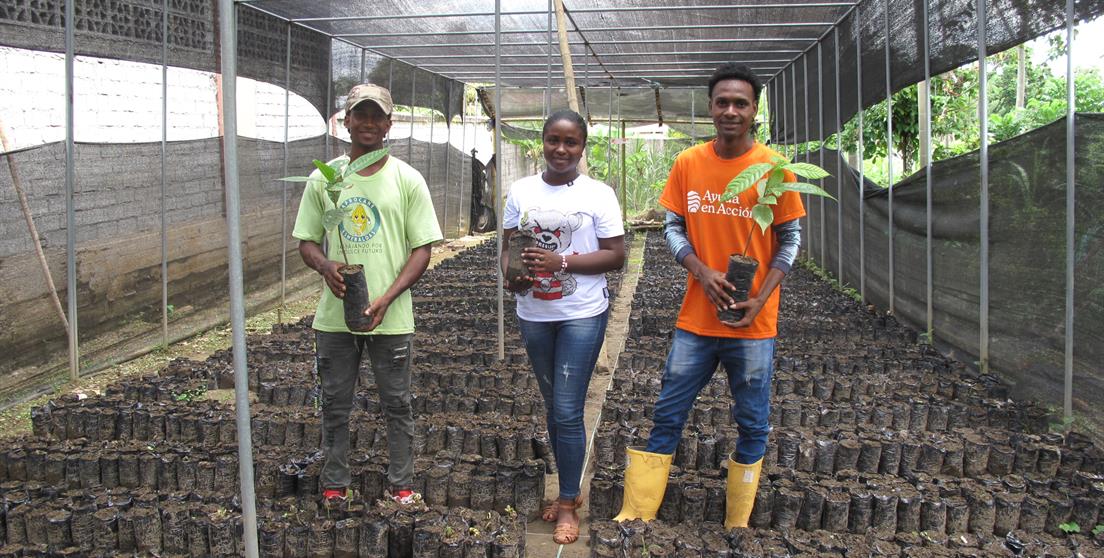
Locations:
column 567, row 220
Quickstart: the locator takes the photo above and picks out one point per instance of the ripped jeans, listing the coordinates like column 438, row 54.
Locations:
column 338, row 362
column 563, row 355
column 690, row 365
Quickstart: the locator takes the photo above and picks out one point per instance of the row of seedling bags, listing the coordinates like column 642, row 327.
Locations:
column 210, row 424
column 119, row 521
column 963, row 452
column 660, row 539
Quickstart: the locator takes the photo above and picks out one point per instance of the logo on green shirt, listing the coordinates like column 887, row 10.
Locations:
column 362, row 221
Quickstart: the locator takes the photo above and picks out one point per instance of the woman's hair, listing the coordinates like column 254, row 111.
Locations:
column 569, row 115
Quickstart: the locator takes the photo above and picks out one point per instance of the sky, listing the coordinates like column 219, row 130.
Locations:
column 1088, row 48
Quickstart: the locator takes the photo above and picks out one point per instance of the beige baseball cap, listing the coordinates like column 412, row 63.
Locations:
column 369, row 92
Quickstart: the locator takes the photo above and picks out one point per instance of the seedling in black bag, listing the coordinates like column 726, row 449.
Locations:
column 356, row 288
column 769, row 179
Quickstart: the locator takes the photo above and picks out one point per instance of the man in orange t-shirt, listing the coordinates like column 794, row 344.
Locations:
column 702, row 232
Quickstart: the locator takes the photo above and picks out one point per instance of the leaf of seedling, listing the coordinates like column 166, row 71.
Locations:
column 807, row 170
column 768, row 199
column 745, row 180
column 327, row 171
column 364, row 161
column 295, row 179
column 1070, row 527
column 1098, row 529
column 806, row 188
column 763, row 216
column 332, row 218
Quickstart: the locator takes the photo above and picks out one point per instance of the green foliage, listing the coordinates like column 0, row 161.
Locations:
column 1098, row 529
column 769, row 178
column 335, row 180
column 1070, row 527
column 170, row 310
column 954, row 110
column 190, row 394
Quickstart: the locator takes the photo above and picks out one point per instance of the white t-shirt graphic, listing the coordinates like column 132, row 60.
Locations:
column 566, row 220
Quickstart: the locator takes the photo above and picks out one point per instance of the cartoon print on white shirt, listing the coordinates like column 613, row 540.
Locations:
column 552, row 230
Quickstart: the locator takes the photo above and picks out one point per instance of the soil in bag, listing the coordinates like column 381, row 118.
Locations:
column 741, row 270
column 356, row 300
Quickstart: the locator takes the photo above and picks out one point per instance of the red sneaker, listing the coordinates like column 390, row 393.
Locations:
column 335, row 495
column 405, row 496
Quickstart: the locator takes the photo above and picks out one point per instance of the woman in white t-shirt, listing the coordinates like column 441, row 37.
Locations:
column 562, row 304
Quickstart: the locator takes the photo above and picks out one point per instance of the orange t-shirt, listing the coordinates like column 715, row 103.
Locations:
column 716, row 230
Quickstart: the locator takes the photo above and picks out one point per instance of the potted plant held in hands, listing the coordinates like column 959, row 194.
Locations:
column 356, row 288
column 769, row 179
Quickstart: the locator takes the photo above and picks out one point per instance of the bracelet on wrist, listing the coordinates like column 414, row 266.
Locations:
column 563, row 263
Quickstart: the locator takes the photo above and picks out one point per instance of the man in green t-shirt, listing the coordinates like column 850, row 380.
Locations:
column 389, row 227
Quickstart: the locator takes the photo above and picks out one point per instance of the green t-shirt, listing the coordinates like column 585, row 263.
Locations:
column 391, row 214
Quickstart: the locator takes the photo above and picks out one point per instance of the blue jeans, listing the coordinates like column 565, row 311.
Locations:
column 690, row 365
column 563, row 356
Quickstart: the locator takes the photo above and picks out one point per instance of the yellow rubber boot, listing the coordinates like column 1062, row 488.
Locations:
column 743, row 483
column 645, row 483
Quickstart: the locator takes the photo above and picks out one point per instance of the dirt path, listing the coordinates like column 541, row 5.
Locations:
column 538, row 540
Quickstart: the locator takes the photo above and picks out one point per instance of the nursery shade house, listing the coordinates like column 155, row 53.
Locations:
column 996, row 255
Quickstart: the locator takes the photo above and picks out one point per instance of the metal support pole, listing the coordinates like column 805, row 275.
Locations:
column 548, row 88
column 284, row 184
column 460, row 171
column 927, row 149
column 609, row 135
column 805, row 148
column 363, row 54
column 793, row 101
column 889, row 154
column 390, row 82
column 228, row 29
column 329, row 104
column 448, row 149
column 429, row 146
column 693, row 124
column 498, row 174
column 413, row 89
column 164, row 149
column 983, row 252
column 820, row 152
column 782, row 105
column 1071, row 107
column 839, row 165
column 70, row 189
column 624, row 183
column 862, row 179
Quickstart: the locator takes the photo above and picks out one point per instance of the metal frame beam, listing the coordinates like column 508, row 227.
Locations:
column 724, row 7
column 610, row 54
column 609, row 42
column 592, row 29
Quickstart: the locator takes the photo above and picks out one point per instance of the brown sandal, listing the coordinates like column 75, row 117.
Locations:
column 566, row 533
column 551, row 511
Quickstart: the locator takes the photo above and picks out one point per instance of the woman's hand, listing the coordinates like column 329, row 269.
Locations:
column 539, row 260
column 518, row 284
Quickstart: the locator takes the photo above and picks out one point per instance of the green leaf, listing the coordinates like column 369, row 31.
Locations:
column 364, row 161
column 763, row 215
column 327, row 171
column 745, row 180
column 1098, row 529
column 332, row 218
column 1070, row 527
column 295, row 179
column 768, row 199
column 806, row 188
column 807, row 170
